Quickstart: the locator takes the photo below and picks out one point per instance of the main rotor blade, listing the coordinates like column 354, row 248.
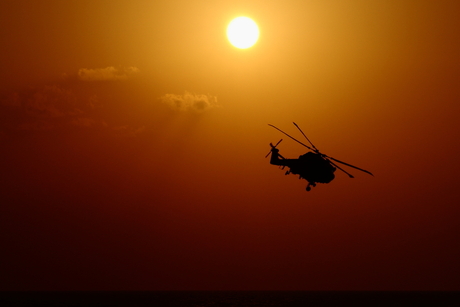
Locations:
column 349, row 175
column 363, row 170
column 316, row 149
column 292, row 137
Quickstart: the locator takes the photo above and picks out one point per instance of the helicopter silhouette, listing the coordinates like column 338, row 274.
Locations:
column 314, row 166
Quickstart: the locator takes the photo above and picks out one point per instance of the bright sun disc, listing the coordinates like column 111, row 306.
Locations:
column 242, row 32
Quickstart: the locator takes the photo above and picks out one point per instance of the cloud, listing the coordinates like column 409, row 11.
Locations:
column 106, row 74
column 190, row 102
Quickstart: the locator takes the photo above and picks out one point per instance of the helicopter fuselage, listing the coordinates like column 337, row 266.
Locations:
column 310, row 166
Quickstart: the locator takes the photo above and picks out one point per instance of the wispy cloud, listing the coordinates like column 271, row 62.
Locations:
column 51, row 101
column 190, row 102
column 88, row 122
column 107, row 74
column 128, row 131
column 47, row 108
column 64, row 107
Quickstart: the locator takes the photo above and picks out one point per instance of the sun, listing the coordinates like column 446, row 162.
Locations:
column 242, row 32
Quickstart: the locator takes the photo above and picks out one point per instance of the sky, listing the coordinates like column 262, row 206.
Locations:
column 133, row 137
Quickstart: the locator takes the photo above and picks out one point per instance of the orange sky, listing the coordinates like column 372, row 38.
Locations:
column 107, row 185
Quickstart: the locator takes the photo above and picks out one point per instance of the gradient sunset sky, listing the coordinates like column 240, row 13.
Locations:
column 133, row 136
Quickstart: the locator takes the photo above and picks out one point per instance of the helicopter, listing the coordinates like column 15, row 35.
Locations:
column 313, row 166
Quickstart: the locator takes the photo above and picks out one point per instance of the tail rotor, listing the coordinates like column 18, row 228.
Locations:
column 273, row 146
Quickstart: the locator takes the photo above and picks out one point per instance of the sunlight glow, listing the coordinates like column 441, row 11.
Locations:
column 242, row 32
